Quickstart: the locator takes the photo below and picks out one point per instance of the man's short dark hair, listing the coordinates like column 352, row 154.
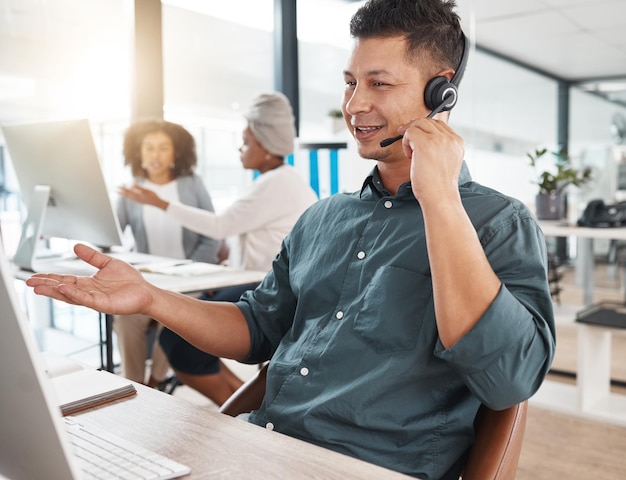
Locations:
column 431, row 27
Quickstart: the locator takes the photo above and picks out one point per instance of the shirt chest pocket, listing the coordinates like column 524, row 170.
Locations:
column 393, row 309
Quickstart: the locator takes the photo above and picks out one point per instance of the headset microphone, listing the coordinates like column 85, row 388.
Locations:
column 441, row 107
column 440, row 94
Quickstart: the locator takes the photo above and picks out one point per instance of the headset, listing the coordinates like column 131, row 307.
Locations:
column 441, row 94
column 441, row 90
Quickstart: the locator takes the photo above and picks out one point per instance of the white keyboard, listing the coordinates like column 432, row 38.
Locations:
column 103, row 455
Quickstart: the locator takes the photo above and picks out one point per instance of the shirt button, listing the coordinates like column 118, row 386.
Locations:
column 339, row 315
column 360, row 255
column 269, row 426
column 304, row 371
column 388, row 204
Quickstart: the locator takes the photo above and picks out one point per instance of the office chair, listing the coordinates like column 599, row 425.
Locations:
column 498, row 443
column 494, row 455
column 554, row 277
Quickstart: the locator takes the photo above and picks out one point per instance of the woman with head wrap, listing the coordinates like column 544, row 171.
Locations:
column 260, row 218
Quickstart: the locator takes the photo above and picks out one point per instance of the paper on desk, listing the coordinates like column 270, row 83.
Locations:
column 182, row 269
column 56, row 364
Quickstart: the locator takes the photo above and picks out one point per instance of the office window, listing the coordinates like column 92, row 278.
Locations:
column 324, row 45
column 64, row 59
column 60, row 60
column 217, row 57
column 592, row 144
column 503, row 112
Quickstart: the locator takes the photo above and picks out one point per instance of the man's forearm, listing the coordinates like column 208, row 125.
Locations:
column 218, row 328
column 464, row 284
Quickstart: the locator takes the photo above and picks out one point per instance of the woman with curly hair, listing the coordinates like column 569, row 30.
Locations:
column 162, row 157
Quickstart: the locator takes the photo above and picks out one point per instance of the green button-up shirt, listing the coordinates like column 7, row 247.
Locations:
column 346, row 315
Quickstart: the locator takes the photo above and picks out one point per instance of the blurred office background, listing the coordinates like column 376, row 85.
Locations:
column 541, row 73
column 74, row 58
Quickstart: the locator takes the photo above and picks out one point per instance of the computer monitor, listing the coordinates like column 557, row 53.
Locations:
column 62, row 185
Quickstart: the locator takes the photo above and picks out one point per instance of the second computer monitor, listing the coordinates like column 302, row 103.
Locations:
column 62, row 185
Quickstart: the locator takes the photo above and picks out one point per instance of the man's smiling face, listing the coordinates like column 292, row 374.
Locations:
column 383, row 91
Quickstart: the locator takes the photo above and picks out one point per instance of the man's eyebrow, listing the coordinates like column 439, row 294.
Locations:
column 370, row 73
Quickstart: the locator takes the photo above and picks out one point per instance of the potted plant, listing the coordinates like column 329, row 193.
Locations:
column 550, row 200
column 337, row 123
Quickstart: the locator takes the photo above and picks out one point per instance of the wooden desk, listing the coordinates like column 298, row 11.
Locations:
column 215, row 445
column 591, row 397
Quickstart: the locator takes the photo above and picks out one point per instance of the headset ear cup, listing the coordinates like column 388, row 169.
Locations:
column 436, row 90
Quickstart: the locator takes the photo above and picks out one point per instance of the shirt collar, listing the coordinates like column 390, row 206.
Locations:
column 375, row 184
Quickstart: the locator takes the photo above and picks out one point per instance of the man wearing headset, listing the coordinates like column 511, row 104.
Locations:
column 392, row 313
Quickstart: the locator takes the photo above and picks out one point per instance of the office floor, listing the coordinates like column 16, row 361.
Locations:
column 558, row 446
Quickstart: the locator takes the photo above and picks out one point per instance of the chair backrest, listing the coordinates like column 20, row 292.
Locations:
column 248, row 397
column 494, row 455
column 498, row 444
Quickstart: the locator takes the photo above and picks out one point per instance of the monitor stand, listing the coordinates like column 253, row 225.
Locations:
column 31, row 228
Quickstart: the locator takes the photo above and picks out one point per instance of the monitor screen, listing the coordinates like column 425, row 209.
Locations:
column 62, row 184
